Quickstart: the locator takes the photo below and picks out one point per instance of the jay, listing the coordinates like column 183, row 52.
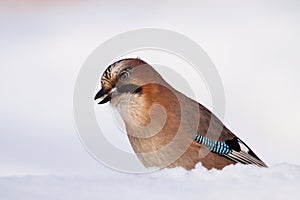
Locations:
column 166, row 128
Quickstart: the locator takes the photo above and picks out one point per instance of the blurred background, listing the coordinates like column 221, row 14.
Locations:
column 255, row 46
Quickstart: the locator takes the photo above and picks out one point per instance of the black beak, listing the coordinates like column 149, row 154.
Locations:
column 104, row 94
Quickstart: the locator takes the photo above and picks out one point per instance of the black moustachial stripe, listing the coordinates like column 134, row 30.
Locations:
column 130, row 88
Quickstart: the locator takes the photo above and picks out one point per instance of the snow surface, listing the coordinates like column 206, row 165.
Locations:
column 234, row 182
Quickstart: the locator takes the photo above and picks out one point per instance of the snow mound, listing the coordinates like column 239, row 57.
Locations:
column 234, row 182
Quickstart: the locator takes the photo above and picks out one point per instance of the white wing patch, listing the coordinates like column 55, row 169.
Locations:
column 243, row 147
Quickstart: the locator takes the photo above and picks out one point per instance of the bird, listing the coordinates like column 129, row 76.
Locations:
column 167, row 129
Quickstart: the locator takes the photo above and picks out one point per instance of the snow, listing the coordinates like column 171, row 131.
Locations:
column 281, row 181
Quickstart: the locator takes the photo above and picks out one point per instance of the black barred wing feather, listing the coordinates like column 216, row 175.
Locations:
column 242, row 153
column 234, row 149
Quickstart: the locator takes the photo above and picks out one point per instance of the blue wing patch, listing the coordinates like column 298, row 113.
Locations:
column 214, row 146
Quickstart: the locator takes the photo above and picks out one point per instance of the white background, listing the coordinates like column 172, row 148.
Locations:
column 254, row 45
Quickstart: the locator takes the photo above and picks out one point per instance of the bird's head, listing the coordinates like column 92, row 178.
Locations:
column 125, row 77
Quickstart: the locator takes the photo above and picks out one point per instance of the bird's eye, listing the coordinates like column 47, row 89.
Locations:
column 124, row 76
